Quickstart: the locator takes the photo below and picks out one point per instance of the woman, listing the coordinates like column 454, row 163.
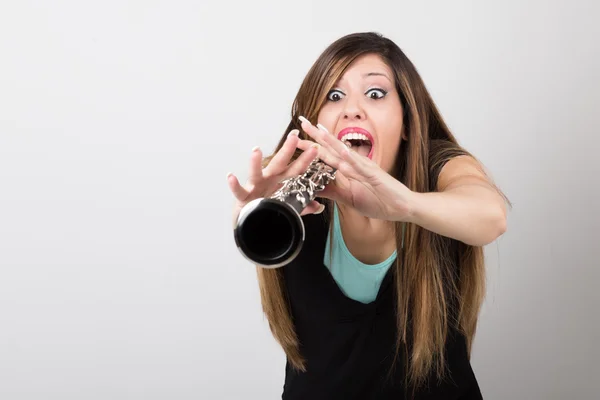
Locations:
column 383, row 300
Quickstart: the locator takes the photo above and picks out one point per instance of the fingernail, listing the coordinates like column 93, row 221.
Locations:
column 315, row 145
column 301, row 118
column 229, row 174
column 255, row 148
column 321, row 127
column 294, row 132
column 320, row 210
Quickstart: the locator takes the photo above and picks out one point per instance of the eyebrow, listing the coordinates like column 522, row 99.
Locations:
column 376, row 74
column 372, row 74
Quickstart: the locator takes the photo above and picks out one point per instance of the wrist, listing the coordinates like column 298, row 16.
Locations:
column 413, row 210
column 408, row 208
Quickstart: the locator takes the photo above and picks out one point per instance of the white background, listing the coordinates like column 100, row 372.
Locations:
column 119, row 121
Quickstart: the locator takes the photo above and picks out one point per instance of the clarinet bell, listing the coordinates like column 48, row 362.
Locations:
column 269, row 232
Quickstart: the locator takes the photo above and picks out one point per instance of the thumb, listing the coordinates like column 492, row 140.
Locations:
column 336, row 192
column 314, row 207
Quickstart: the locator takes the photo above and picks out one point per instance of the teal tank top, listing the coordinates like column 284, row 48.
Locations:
column 357, row 280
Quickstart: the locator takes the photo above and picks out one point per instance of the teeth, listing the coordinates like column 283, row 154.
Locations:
column 355, row 136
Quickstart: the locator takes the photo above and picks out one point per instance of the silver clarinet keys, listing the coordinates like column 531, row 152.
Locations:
column 305, row 186
column 269, row 231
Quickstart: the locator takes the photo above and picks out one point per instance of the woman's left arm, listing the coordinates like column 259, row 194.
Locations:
column 466, row 206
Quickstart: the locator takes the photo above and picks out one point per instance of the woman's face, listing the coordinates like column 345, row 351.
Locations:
column 364, row 111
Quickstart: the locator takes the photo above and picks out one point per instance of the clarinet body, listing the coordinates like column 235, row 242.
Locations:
column 269, row 231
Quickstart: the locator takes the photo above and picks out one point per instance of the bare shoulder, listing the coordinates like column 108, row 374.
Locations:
column 460, row 171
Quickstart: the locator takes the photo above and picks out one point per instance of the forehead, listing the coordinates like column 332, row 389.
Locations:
column 364, row 65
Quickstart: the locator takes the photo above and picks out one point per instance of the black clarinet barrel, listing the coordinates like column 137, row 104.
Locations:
column 269, row 231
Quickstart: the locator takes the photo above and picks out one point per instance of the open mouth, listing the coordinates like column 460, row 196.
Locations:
column 358, row 140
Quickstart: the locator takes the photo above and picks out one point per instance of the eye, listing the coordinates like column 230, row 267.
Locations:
column 376, row 94
column 334, row 95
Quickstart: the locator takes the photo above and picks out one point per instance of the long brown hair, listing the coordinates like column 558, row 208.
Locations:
column 440, row 282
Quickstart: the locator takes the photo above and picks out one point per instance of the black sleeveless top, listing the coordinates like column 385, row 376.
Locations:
column 348, row 345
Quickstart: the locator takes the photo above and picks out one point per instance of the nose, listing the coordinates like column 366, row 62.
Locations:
column 353, row 110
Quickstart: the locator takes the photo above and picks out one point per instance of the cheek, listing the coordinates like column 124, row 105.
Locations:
column 390, row 153
column 390, row 129
column 391, row 141
column 392, row 145
column 326, row 117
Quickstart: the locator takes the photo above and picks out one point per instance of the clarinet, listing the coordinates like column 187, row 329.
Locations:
column 269, row 231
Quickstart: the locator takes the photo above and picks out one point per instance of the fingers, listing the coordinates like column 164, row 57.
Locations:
column 323, row 137
column 282, row 158
column 355, row 165
column 322, row 152
column 346, row 160
column 255, row 174
column 314, row 207
column 334, row 143
column 258, row 179
column 339, row 190
column 234, row 185
column 299, row 165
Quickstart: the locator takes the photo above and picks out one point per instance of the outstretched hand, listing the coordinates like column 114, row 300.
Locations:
column 263, row 182
column 360, row 182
